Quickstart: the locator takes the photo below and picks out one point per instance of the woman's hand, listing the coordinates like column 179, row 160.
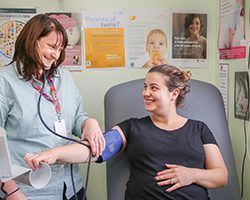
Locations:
column 175, row 175
column 214, row 175
column 92, row 132
column 34, row 159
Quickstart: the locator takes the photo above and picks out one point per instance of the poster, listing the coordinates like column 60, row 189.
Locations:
column 232, row 29
column 12, row 20
column 131, row 38
column 147, row 37
column 72, row 24
column 104, row 39
column 223, row 87
column 189, row 39
column 241, row 95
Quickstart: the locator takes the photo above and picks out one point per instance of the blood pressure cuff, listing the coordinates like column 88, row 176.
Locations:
column 114, row 144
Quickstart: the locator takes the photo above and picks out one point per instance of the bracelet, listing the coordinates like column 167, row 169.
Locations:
column 12, row 192
column 4, row 194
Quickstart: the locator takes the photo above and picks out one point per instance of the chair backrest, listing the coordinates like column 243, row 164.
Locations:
column 203, row 102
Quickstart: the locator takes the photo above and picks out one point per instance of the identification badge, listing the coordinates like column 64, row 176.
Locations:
column 60, row 127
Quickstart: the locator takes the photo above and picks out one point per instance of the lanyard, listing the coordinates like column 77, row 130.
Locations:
column 52, row 99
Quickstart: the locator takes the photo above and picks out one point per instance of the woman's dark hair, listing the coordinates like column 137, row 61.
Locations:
column 174, row 78
column 26, row 55
column 189, row 20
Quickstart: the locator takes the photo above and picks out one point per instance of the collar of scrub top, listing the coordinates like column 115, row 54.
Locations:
column 20, row 76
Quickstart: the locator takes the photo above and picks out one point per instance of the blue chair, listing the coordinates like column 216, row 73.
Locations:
column 203, row 102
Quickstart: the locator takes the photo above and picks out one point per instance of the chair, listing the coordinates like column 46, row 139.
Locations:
column 203, row 102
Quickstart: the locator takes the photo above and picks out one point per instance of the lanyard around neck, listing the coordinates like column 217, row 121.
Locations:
column 53, row 98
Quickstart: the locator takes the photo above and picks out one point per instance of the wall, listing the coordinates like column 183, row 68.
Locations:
column 94, row 83
column 236, row 126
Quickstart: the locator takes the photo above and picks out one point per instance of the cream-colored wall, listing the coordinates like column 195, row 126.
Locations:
column 236, row 126
column 94, row 83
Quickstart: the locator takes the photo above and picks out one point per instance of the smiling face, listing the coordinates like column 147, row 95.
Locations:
column 195, row 27
column 49, row 48
column 157, row 98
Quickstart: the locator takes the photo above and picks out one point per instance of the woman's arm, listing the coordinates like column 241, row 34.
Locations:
column 92, row 132
column 72, row 153
column 215, row 175
column 13, row 193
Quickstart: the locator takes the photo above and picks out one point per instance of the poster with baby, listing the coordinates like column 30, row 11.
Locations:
column 147, row 37
column 72, row 24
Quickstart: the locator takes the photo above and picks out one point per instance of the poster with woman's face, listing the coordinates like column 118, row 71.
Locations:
column 189, row 39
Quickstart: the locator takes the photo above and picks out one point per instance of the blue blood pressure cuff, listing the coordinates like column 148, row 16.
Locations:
column 114, row 144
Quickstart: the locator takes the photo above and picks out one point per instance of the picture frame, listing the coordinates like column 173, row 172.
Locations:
column 241, row 95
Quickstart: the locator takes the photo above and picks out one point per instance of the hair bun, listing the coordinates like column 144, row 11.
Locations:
column 187, row 75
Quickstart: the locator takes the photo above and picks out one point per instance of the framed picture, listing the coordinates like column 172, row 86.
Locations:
column 241, row 95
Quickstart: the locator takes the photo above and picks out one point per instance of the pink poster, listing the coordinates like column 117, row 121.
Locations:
column 72, row 23
column 232, row 29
